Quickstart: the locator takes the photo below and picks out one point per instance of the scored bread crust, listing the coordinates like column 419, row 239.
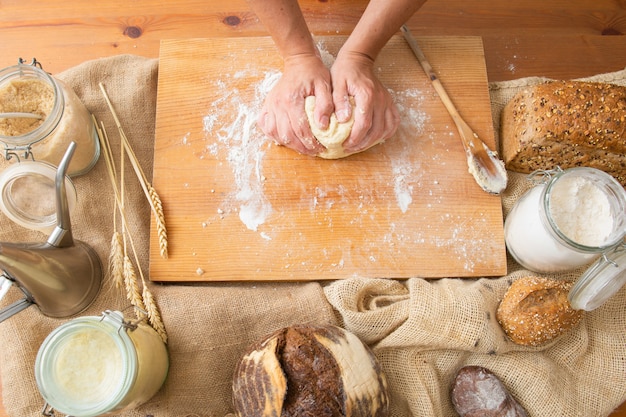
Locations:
column 535, row 310
column 566, row 124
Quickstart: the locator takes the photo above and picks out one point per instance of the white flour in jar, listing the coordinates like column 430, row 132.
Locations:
column 581, row 211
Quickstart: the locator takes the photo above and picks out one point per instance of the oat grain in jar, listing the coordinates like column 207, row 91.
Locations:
column 62, row 118
column 567, row 220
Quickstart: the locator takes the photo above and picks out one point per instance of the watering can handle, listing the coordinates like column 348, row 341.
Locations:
column 17, row 306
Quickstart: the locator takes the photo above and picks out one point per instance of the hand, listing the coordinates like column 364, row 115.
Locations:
column 283, row 117
column 376, row 117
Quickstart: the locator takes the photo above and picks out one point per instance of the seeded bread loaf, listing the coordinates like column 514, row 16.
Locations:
column 566, row 123
column 535, row 310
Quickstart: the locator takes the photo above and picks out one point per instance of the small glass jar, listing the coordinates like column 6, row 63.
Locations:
column 93, row 366
column 568, row 219
column 28, row 195
column 26, row 88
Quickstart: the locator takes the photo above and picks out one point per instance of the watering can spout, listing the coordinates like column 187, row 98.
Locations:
column 61, row 276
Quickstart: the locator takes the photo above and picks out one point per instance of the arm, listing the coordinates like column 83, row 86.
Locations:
column 282, row 116
column 353, row 73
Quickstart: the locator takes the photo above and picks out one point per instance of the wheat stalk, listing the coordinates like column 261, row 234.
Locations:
column 120, row 261
column 151, row 194
column 116, row 256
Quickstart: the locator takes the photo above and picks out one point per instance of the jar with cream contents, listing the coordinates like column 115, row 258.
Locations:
column 93, row 366
column 40, row 116
column 567, row 220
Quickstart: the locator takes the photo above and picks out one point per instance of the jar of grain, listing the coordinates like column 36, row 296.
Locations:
column 58, row 118
column 567, row 220
column 93, row 365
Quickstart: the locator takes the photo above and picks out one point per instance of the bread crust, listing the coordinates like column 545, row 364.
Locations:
column 566, row 124
column 535, row 310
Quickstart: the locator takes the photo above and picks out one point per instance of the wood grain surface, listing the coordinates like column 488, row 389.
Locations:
column 559, row 39
column 242, row 208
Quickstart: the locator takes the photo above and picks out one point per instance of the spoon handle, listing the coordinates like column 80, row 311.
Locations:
column 22, row 115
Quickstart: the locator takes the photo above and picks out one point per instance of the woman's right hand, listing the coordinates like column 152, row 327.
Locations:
column 282, row 116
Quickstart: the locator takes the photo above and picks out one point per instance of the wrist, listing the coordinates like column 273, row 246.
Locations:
column 359, row 58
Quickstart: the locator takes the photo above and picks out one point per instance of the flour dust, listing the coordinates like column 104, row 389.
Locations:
column 244, row 143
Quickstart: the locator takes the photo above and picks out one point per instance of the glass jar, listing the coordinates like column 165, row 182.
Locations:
column 28, row 195
column 63, row 118
column 568, row 219
column 601, row 281
column 93, row 366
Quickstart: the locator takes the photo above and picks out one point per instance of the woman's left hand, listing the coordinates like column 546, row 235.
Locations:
column 376, row 116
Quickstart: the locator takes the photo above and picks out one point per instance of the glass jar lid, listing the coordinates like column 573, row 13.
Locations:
column 86, row 366
column 601, row 281
column 28, row 194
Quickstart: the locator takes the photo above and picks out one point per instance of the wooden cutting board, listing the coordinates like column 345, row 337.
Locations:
column 239, row 207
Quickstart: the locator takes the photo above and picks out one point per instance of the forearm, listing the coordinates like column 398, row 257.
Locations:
column 380, row 21
column 286, row 25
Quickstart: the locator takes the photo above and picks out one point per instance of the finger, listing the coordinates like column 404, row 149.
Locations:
column 392, row 122
column 324, row 107
column 267, row 123
column 343, row 106
column 301, row 131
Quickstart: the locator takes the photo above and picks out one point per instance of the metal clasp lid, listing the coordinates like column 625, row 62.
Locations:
column 117, row 318
column 601, row 281
column 542, row 176
column 33, row 62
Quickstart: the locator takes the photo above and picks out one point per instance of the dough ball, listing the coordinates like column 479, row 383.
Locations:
column 334, row 136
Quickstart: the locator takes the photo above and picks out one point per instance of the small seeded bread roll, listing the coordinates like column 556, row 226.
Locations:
column 536, row 310
column 566, row 123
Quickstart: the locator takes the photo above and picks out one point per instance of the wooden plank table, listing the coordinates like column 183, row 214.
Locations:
column 559, row 39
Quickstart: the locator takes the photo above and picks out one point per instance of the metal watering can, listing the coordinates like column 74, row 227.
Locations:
column 61, row 276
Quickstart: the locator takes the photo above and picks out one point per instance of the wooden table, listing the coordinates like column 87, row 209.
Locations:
column 558, row 39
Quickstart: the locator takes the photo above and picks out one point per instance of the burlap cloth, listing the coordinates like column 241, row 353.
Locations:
column 422, row 331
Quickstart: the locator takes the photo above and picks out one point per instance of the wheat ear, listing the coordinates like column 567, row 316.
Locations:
column 131, row 284
column 116, row 260
column 154, row 317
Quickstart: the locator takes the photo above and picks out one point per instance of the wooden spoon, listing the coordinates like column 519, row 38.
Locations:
column 483, row 163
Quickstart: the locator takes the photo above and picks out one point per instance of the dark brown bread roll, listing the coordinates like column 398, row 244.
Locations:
column 566, row 123
column 477, row 392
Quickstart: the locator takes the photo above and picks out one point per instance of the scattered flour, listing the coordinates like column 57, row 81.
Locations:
column 238, row 134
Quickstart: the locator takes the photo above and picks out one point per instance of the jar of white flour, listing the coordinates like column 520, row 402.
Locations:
column 568, row 219
column 40, row 116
